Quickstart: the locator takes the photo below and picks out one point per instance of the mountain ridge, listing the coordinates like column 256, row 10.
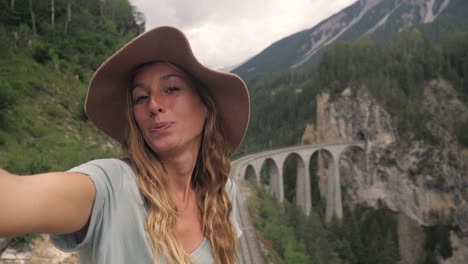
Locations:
column 377, row 19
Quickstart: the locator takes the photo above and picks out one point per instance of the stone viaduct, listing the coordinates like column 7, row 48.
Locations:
column 250, row 166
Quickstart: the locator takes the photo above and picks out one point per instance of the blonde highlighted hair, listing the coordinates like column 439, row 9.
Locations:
column 208, row 180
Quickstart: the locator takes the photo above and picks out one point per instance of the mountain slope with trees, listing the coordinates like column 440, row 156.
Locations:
column 395, row 74
column 423, row 169
column 48, row 51
column 375, row 19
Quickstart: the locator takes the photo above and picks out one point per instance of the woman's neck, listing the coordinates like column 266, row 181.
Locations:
column 179, row 172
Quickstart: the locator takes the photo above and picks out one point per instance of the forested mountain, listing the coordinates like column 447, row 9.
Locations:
column 48, row 51
column 395, row 74
column 408, row 101
column 375, row 19
column 394, row 71
column 401, row 88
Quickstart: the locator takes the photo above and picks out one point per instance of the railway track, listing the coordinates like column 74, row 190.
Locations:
column 249, row 249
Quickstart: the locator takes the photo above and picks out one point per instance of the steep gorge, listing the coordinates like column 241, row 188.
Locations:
column 425, row 183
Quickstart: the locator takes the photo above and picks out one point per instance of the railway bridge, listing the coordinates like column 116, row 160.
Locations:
column 249, row 167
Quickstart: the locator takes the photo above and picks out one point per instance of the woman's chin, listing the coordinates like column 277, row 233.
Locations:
column 162, row 149
column 170, row 148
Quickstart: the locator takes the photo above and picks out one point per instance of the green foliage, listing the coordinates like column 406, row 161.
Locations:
column 455, row 59
column 23, row 240
column 42, row 54
column 265, row 177
column 41, row 130
column 7, row 100
column 437, row 243
column 290, row 178
column 314, row 183
column 281, row 106
column 394, row 74
column 364, row 235
column 462, row 133
column 44, row 76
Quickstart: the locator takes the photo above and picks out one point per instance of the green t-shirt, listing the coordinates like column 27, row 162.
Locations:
column 116, row 231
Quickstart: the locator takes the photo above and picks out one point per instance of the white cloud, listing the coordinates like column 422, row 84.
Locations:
column 226, row 32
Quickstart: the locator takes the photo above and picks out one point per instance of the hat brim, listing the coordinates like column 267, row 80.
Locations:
column 106, row 98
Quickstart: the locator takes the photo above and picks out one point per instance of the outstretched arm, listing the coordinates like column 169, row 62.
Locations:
column 53, row 203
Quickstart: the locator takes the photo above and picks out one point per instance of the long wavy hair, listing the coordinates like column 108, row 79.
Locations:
column 208, row 180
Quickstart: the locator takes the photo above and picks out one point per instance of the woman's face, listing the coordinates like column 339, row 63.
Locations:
column 167, row 109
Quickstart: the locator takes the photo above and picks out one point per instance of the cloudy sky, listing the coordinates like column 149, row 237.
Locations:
column 224, row 33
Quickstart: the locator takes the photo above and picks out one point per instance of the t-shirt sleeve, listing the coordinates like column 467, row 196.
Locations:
column 232, row 190
column 106, row 175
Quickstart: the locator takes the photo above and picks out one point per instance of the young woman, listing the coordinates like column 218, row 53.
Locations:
column 170, row 200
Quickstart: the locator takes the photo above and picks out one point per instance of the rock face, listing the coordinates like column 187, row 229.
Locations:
column 408, row 232
column 427, row 184
column 459, row 246
column 39, row 251
column 3, row 243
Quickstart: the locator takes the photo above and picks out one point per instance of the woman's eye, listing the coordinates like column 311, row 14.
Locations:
column 139, row 99
column 171, row 90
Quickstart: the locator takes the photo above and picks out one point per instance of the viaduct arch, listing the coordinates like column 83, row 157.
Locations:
column 249, row 167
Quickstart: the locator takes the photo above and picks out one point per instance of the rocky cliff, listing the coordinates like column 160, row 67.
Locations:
column 3, row 243
column 38, row 251
column 425, row 183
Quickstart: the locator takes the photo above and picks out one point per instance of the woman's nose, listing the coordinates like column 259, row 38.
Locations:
column 155, row 105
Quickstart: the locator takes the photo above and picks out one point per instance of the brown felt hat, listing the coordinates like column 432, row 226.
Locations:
column 106, row 98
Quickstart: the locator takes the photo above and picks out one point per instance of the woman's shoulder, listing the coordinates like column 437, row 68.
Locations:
column 109, row 170
column 106, row 164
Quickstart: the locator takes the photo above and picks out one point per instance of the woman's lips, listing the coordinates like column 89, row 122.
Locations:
column 158, row 127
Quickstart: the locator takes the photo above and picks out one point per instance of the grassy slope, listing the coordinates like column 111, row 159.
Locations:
column 43, row 128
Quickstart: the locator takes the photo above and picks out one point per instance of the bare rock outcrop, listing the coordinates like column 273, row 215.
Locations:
column 426, row 182
column 3, row 243
column 38, row 251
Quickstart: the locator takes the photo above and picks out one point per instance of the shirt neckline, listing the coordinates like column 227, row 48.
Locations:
column 199, row 248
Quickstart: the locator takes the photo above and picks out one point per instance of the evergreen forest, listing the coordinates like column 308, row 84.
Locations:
column 48, row 52
column 364, row 235
column 394, row 73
